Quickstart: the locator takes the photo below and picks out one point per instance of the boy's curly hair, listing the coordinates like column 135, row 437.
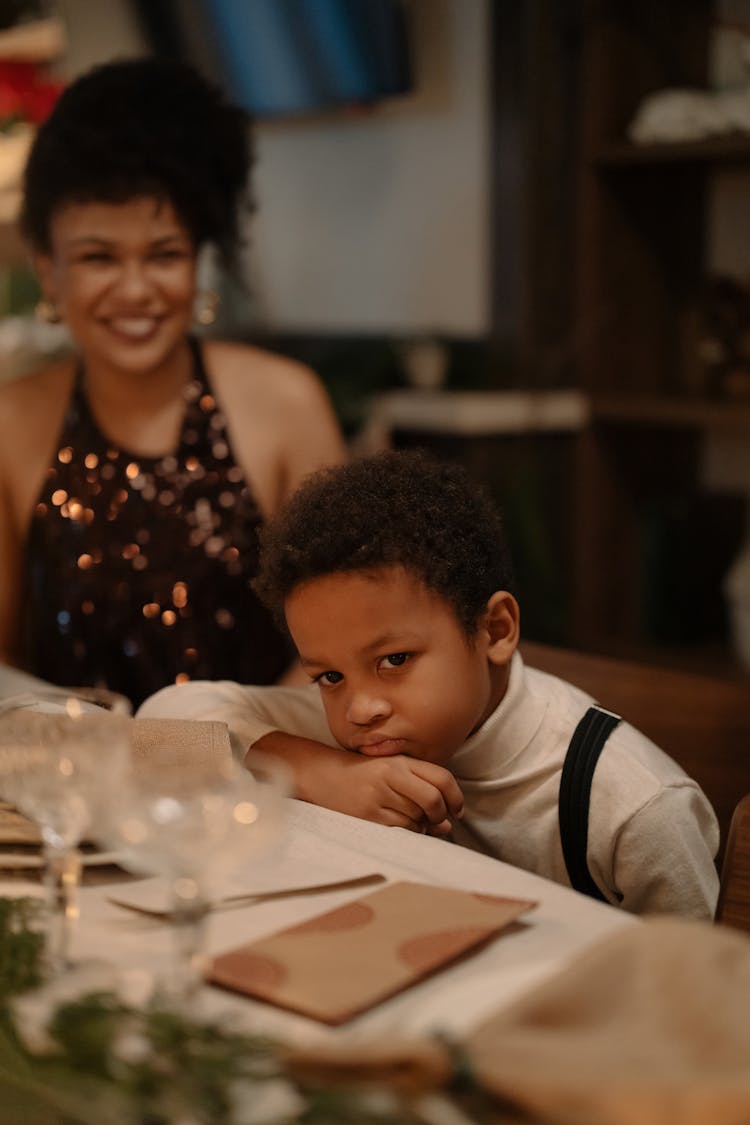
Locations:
column 393, row 509
column 142, row 127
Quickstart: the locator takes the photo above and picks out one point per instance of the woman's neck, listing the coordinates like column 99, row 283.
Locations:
column 114, row 388
column 141, row 411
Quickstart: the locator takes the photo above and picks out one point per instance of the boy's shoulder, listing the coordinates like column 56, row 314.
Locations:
column 648, row 768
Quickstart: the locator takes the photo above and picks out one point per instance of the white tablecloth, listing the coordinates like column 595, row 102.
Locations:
column 452, row 1001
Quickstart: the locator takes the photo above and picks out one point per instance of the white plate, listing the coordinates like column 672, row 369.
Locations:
column 15, row 861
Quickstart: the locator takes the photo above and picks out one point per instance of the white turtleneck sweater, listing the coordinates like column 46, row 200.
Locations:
column 652, row 833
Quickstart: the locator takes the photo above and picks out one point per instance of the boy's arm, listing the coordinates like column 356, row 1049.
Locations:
column 290, row 723
column 249, row 711
column 664, row 856
column 398, row 791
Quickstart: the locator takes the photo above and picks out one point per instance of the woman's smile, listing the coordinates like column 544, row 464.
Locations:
column 135, row 328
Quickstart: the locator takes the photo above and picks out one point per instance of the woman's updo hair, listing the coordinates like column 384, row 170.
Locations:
column 142, row 127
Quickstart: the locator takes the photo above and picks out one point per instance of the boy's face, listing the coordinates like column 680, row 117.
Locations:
column 397, row 673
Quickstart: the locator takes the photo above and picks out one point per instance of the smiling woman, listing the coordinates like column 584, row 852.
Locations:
column 123, row 277
column 134, row 476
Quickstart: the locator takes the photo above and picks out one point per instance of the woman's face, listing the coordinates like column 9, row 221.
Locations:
column 122, row 276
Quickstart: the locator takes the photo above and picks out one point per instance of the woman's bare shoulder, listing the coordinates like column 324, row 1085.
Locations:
column 251, row 373
column 45, row 386
column 282, row 422
column 27, row 400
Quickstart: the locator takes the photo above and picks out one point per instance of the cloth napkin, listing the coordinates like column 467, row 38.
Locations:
column 651, row 1026
column 401, row 933
column 189, row 744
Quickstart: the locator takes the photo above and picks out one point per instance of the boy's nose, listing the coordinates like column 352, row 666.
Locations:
column 364, row 708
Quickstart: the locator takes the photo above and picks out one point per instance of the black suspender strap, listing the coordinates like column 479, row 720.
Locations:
column 583, row 753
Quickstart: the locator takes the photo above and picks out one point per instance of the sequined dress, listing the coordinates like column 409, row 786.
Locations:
column 138, row 569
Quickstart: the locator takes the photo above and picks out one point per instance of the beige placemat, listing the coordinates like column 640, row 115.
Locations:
column 343, row 962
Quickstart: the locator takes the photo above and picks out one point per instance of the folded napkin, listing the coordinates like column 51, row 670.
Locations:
column 188, row 744
column 647, row 1027
column 345, row 961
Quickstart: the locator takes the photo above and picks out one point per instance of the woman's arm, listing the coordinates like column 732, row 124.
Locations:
column 31, row 412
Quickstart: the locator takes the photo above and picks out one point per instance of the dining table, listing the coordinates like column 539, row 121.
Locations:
column 326, row 847
column 547, row 1000
column 560, row 985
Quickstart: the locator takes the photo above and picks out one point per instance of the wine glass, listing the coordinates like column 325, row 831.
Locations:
column 55, row 768
column 194, row 828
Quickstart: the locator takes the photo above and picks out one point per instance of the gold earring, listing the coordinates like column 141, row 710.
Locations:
column 47, row 312
column 207, row 302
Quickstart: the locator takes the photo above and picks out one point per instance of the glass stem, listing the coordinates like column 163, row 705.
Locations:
column 62, row 876
column 189, row 915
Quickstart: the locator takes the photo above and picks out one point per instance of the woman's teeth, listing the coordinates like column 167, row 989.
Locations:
column 135, row 327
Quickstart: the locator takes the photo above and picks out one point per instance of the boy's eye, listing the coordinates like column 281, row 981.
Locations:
column 394, row 659
column 329, row 678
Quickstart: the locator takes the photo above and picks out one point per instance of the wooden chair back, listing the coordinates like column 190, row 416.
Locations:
column 701, row 722
column 733, row 908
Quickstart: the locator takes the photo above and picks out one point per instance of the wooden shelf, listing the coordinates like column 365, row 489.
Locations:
column 674, row 413
column 473, row 414
column 730, row 149
column 660, row 501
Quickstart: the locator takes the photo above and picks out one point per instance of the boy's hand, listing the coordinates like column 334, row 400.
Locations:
column 404, row 793
column 398, row 791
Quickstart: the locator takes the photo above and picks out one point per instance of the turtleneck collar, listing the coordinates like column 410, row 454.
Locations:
column 511, row 727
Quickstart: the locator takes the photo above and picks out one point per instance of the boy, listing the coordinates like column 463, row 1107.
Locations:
column 394, row 580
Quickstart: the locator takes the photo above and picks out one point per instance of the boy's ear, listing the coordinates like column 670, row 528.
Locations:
column 502, row 621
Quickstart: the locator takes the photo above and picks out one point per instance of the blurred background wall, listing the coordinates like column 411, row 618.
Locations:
column 369, row 219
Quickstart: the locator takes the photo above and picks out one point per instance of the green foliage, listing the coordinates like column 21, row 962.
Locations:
column 21, row 945
column 19, row 290
column 85, row 1030
column 115, row 1065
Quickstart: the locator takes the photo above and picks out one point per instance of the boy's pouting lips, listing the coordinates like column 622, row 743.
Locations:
column 397, row 672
